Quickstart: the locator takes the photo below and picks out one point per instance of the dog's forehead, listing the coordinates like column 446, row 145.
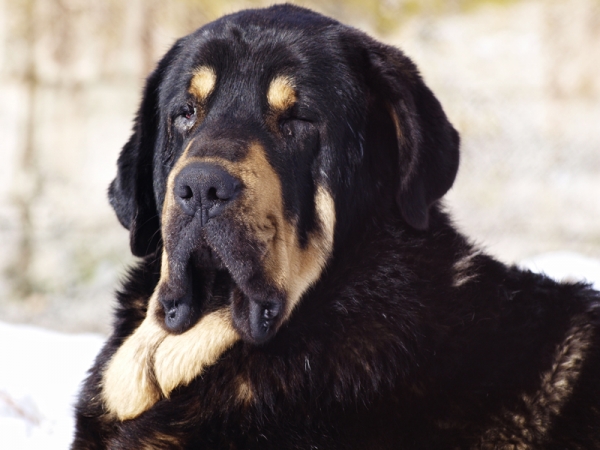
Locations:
column 254, row 50
column 247, row 59
column 258, row 69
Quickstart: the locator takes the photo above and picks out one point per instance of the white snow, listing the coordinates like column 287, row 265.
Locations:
column 566, row 266
column 41, row 371
column 40, row 375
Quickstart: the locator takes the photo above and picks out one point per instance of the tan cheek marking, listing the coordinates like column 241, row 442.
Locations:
column 281, row 94
column 262, row 195
column 203, row 82
column 183, row 160
column 292, row 268
column 169, row 204
column 306, row 265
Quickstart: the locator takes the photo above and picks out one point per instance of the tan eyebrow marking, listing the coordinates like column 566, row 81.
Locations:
column 281, row 94
column 203, row 82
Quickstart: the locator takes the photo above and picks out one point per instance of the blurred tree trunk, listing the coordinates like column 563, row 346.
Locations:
column 28, row 184
column 149, row 8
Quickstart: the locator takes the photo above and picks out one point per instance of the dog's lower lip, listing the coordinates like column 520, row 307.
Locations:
column 200, row 290
column 180, row 315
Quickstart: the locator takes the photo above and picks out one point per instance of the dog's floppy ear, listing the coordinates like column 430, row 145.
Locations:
column 131, row 193
column 427, row 142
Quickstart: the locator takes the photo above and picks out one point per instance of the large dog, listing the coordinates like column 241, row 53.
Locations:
column 301, row 286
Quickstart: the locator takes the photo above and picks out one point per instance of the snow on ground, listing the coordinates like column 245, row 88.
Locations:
column 40, row 375
column 41, row 371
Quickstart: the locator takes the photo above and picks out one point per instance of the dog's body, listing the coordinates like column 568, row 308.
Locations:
column 301, row 286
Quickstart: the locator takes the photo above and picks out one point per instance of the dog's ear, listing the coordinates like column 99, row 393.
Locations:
column 427, row 143
column 131, row 193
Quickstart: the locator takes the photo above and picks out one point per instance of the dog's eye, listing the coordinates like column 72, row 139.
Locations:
column 186, row 118
column 294, row 126
column 287, row 128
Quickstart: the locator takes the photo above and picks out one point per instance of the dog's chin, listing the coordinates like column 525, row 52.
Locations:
column 204, row 284
column 256, row 320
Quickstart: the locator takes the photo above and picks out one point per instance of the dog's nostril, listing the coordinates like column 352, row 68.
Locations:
column 212, row 195
column 172, row 313
column 270, row 312
column 184, row 192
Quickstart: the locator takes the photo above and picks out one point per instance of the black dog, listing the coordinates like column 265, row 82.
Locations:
column 301, row 286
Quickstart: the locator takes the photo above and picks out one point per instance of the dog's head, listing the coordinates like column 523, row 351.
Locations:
column 263, row 140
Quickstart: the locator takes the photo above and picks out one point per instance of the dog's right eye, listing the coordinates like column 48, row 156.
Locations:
column 295, row 127
column 186, row 119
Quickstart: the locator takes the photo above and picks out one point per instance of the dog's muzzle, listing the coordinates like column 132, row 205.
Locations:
column 202, row 191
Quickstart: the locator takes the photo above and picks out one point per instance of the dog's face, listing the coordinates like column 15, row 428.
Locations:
column 263, row 141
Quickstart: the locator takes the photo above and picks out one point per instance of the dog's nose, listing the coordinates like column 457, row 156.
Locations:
column 206, row 188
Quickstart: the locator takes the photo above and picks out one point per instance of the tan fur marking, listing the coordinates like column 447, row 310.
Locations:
column 128, row 386
column 167, row 207
column 245, row 395
column 397, row 127
column 181, row 358
column 291, row 267
column 157, row 441
column 525, row 430
column 203, row 82
column 152, row 362
column 180, row 164
column 558, row 382
column 306, row 264
column 281, row 94
column 464, row 270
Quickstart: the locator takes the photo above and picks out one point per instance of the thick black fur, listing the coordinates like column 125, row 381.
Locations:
column 399, row 345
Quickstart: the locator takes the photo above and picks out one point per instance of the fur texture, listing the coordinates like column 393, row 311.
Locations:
column 301, row 286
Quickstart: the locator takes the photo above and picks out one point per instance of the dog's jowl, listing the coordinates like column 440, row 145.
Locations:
column 300, row 285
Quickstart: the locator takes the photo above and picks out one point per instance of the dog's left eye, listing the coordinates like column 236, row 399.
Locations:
column 186, row 118
column 287, row 128
column 294, row 127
